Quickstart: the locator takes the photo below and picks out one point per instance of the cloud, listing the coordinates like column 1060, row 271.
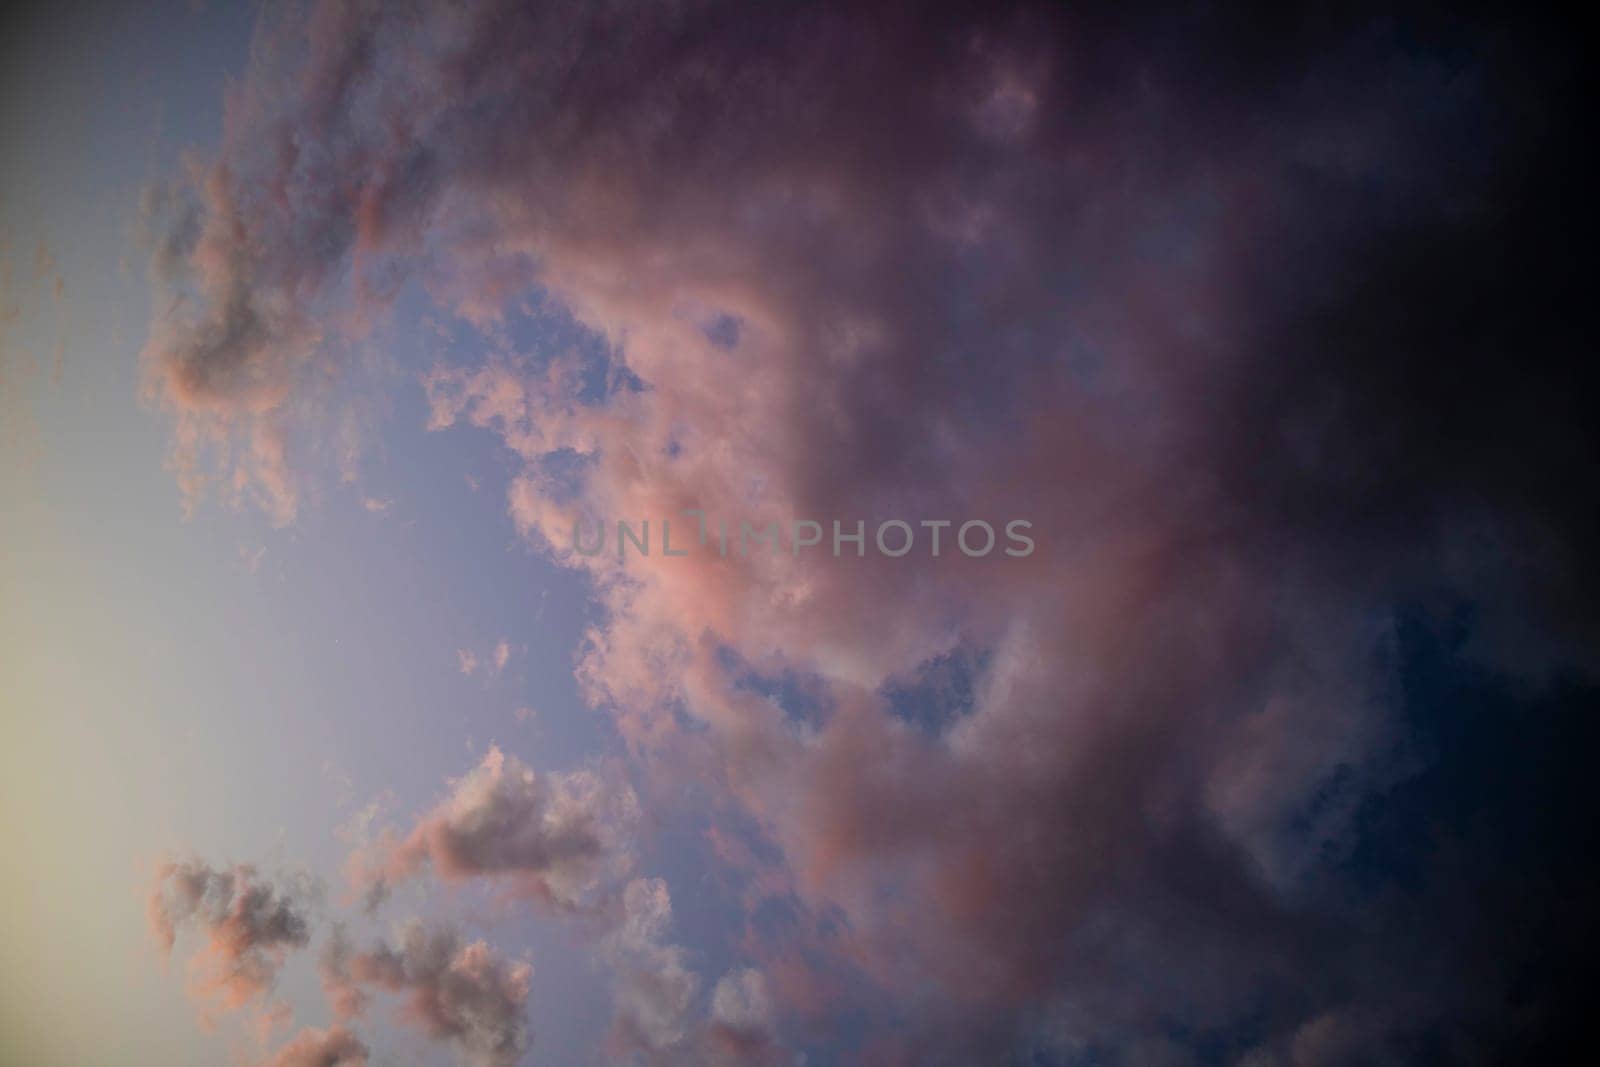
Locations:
column 1255, row 332
column 657, row 1015
column 556, row 838
column 491, row 663
column 333, row 1047
column 250, row 925
column 653, row 986
column 456, row 991
column 741, row 1029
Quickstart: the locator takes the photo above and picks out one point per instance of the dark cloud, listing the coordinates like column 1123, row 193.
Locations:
column 1271, row 324
column 551, row 837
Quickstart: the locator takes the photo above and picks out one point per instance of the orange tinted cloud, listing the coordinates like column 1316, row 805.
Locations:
column 250, row 926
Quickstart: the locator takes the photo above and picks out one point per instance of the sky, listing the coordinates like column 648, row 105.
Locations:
column 742, row 534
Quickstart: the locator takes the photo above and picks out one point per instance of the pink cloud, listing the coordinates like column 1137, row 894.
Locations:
column 333, row 1047
column 250, row 927
column 556, row 838
column 456, row 991
column 997, row 269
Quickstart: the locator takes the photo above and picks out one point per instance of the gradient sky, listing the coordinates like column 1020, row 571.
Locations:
column 320, row 324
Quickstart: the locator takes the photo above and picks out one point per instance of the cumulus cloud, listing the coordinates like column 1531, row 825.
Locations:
column 249, row 923
column 455, row 991
column 556, row 838
column 1232, row 326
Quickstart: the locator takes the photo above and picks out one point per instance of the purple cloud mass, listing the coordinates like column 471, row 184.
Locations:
column 1236, row 312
